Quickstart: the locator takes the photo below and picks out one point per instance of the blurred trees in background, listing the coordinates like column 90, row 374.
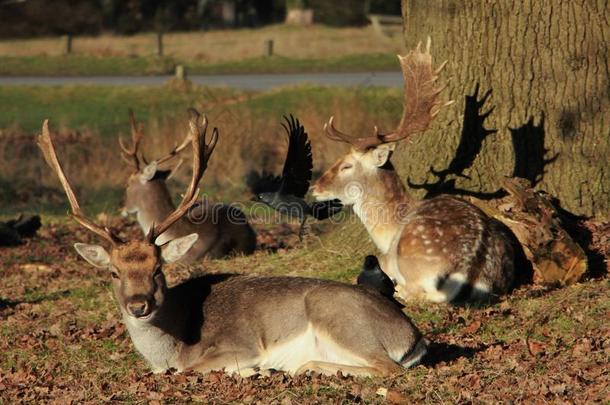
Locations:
column 37, row 17
column 30, row 18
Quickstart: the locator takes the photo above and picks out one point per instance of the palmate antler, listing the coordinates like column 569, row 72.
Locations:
column 201, row 155
column 421, row 102
column 46, row 145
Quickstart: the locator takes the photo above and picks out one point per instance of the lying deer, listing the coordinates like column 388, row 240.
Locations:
column 438, row 248
column 223, row 230
column 241, row 323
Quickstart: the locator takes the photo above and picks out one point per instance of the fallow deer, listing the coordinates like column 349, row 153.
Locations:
column 241, row 324
column 439, row 249
column 223, row 229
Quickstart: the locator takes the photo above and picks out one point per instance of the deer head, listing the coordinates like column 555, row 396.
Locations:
column 369, row 156
column 135, row 265
column 147, row 178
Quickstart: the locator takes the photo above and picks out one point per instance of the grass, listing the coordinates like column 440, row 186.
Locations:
column 99, row 110
column 60, row 330
column 88, row 121
column 72, row 345
column 296, row 49
column 83, row 65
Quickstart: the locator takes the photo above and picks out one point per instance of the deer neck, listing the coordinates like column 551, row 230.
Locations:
column 382, row 207
column 154, row 205
column 161, row 340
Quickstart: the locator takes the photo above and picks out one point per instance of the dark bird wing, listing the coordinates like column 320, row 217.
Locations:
column 263, row 182
column 299, row 161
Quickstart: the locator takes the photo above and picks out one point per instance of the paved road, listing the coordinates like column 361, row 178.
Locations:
column 254, row 82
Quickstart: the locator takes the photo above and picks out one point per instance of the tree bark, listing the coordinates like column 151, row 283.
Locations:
column 546, row 65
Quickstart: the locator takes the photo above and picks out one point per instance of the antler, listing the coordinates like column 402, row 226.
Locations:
column 46, row 145
column 421, row 103
column 177, row 149
column 362, row 143
column 130, row 155
column 201, row 155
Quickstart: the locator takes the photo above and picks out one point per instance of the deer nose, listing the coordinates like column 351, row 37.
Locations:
column 138, row 309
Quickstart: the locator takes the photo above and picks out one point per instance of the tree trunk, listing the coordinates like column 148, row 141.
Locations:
column 546, row 65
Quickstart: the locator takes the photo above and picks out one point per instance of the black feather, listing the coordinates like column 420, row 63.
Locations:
column 264, row 182
column 298, row 167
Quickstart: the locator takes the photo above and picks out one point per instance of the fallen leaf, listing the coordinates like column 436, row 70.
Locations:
column 395, row 397
column 535, row 348
column 472, row 328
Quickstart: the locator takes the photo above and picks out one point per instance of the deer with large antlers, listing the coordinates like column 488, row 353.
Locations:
column 223, row 229
column 241, row 324
column 438, row 249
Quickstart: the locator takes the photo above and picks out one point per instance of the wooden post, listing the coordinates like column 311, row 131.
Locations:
column 68, row 44
column 269, row 48
column 180, row 73
column 159, row 43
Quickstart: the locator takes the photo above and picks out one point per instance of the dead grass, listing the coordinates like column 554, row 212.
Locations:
column 60, row 330
column 249, row 123
column 62, row 338
column 220, row 46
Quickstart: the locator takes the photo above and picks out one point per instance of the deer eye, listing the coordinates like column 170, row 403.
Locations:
column 345, row 166
column 114, row 274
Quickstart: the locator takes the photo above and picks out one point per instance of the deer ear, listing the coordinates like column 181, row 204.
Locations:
column 175, row 249
column 94, row 254
column 381, row 154
column 148, row 172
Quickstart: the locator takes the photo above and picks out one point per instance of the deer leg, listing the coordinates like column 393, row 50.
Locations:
column 379, row 369
column 231, row 362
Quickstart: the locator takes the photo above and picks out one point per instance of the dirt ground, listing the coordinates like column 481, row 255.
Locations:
column 62, row 341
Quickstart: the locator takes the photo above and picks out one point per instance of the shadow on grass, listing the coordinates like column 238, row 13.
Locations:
column 8, row 303
column 447, row 353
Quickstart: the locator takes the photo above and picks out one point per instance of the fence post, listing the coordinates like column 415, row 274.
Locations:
column 180, row 73
column 269, row 47
column 68, row 44
column 159, row 43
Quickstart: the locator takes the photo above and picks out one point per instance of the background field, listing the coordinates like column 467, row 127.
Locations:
column 89, row 121
column 296, row 49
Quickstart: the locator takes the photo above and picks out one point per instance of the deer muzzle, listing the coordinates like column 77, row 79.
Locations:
column 139, row 308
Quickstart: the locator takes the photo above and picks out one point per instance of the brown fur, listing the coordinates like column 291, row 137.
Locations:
column 244, row 323
column 275, row 309
column 439, row 241
column 219, row 236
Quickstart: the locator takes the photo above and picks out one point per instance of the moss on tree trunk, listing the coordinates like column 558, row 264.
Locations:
column 546, row 64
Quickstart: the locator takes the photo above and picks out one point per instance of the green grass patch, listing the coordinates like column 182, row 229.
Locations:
column 103, row 110
column 83, row 65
